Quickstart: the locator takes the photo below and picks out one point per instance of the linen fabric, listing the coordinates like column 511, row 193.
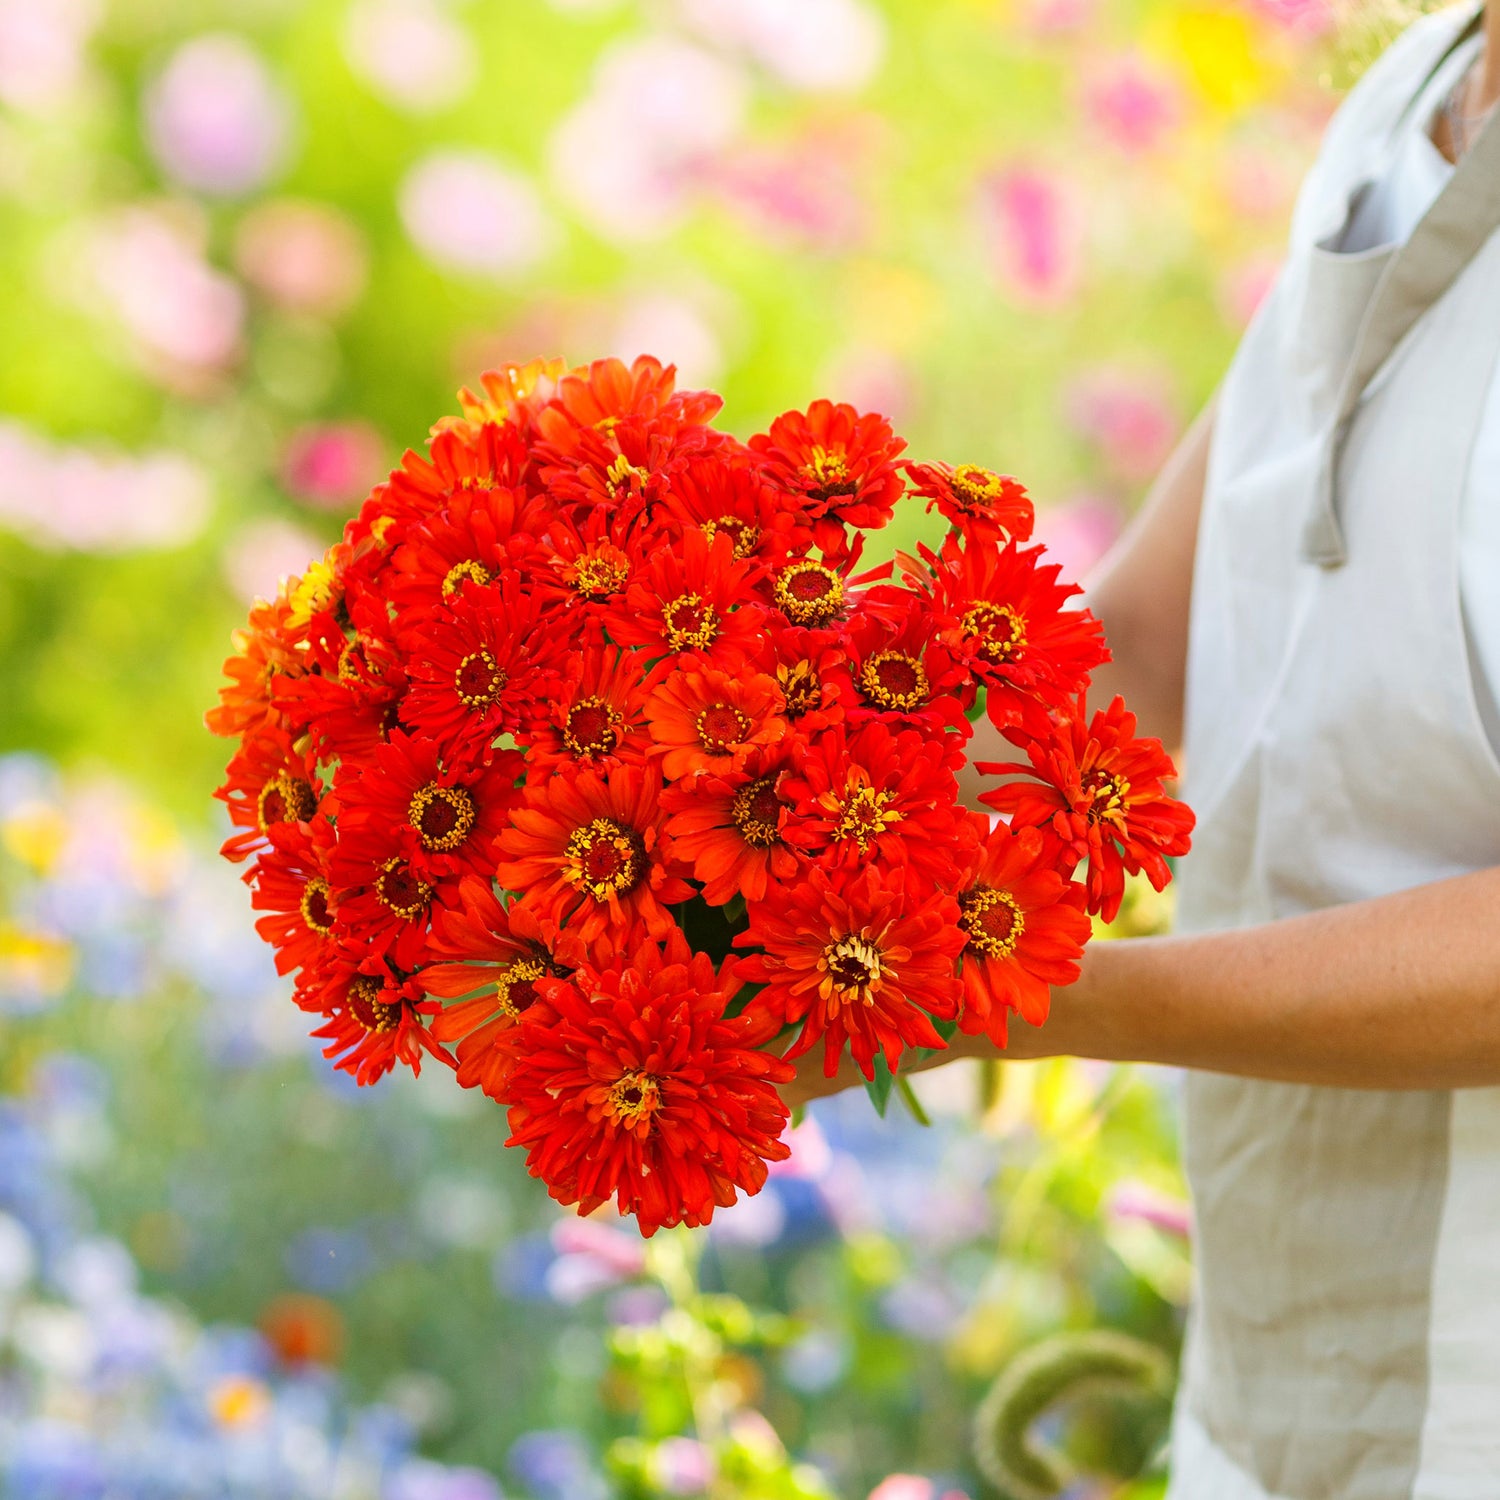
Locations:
column 1345, row 1341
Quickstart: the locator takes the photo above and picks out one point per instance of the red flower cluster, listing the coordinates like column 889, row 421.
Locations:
column 589, row 763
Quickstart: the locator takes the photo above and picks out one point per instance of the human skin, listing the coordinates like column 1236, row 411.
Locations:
column 1400, row 992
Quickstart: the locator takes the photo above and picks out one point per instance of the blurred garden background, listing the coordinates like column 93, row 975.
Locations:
column 248, row 251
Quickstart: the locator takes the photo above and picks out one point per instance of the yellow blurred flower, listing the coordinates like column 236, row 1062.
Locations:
column 239, row 1401
column 35, row 833
column 33, row 963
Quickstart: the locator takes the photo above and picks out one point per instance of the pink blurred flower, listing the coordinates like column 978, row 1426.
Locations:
column 42, row 59
column 629, row 157
column 1243, row 288
column 803, row 191
column 466, row 211
column 1136, row 1200
column 185, row 316
column 1034, row 231
column 1079, row 532
column 684, row 1466
column 216, row 121
column 97, row 499
column 263, row 552
column 815, row 45
column 332, row 464
column 1308, row 17
column 306, row 257
column 411, row 52
column 1128, row 416
column 590, row 1257
column 912, row 1487
column 1048, row 18
column 811, row 1156
column 675, row 331
column 1130, row 103
column 871, row 379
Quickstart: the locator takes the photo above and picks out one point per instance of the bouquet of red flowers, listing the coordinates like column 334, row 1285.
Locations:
column 591, row 764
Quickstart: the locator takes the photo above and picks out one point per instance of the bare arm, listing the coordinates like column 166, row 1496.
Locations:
column 1140, row 591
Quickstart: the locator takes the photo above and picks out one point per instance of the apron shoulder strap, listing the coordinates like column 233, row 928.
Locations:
column 1465, row 214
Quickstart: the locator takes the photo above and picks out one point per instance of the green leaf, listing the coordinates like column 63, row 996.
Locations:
column 880, row 1086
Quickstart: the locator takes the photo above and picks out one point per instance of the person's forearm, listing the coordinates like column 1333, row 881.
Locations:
column 1396, row 993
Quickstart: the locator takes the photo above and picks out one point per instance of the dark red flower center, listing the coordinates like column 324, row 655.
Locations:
column 604, row 858
column 478, row 680
column 592, row 728
column 285, row 799
column 401, row 889
column 721, row 726
column 996, row 631
column 460, row 573
column 742, row 534
column 368, row 1008
column 515, row 989
column 442, row 815
column 352, row 663
column 976, row 488
column 893, row 680
column 691, row 624
column 756, row 811
column 992, row 919
column 314, row 906
column 807, row 593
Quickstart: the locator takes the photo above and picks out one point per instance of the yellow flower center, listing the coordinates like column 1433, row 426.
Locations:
column 893, row 680
column 515, row 989
column 827, row 475
column 1108, row 796
column 592, row 728
column 976, row 486
column 634, row 1099
column 691, row 624
column 285, row 799
column 864, row 813
column 624, row 475
column 469, row 569
column 404, row 892
column 998, row 629
column 603, row 859
column 366, row 1006
column 314, row 907
column 442, row 815
column 742, row 534
column 855, row 969
column 807, row 593
column 600, row 575
column 992, row 919
column 756, row 811
column 721, row 726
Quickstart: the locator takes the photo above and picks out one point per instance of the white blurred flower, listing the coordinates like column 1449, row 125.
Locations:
column 95, row 499
column 42, row 61
column 97, row 1273
column 815, row 45
column 17, row 1255
column 466, row 211
column 628, row 157
column 216, row 120
column 410, row 52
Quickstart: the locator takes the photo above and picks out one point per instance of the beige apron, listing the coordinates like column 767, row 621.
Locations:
column 1345, row 1344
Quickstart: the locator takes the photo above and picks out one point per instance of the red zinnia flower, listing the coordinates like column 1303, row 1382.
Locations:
column 375, row 1020
column 724, row 492
column 730, row 831
column 903, row 674
column 449, row 816
column 1024, row 929
column 634, row 1085
column 596, row 397
column 1004, row 620
column 515, row 394
column 841, row 464
column 461, row 457
column 811, row 669
column 269, row 784
column 874, row 795
column 862, row 956
column 1099, row 796
column 500, row 953
column 693, row 596
column 586, row 851
column 263, row 654
column 595, row 719
column 383, row 894
column 703, row 719
column 479, row 669
column 985, row 506
column 291, row 886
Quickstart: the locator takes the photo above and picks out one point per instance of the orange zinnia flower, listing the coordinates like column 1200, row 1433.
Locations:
column 865, row 957
column 1099, row 796
column 376, row 1018
column 702, row 719
column 1024, row 929
column 596, row 718
column 586, row 852
column 631, row 1083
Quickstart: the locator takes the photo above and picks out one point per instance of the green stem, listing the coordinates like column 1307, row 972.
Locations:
column 909, row 1098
